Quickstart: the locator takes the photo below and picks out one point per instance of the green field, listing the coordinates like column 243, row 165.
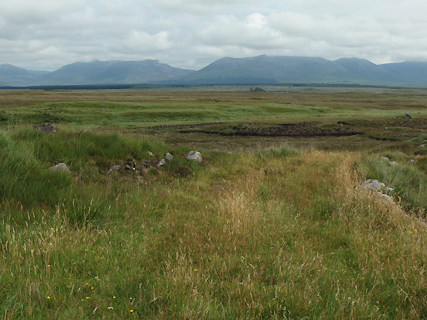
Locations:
column 270, row 225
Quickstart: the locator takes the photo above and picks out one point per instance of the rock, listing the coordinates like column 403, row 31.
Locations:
column 371, row 184
column 161, row 163
column 422, row 145
column 396, row 117
column 150, row 154
column 194, row 156
column 394, row 164
column 168, row 156
column 46, row 127
column 385, row 158
column 130, row 164
column 116, row 167
column 374, row 187
column 407, row 116
column 61, row 167
column 383, row 197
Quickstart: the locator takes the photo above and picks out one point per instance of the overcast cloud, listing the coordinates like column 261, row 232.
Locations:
column 47, row 34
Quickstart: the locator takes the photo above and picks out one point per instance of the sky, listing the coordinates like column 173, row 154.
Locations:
column 48, row 34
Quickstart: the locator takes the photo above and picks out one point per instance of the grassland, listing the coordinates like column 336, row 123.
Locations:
column 270, row 225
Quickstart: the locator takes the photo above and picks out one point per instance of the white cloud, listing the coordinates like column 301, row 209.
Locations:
column 47, row 34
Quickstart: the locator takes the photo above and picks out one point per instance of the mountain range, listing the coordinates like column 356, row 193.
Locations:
column 252, row 70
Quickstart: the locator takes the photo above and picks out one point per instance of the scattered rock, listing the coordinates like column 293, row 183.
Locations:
column 130, row 164
column 60, row 167
column 394, row 164
column 46, row 127
column 372, row 184
column 194, row 156
column 116, row 167
column 374, row 187
column 161, row 163
column 407, row 116
column 168, row 156
column 383, row 197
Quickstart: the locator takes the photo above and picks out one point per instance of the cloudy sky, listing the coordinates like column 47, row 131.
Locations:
column 47, row 34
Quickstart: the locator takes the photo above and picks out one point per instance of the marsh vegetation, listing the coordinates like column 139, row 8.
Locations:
column 267, row 226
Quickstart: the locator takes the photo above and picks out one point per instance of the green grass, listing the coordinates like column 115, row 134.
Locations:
column 259, row 233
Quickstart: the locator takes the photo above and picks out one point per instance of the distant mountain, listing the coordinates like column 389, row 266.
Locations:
column 365, row 72
column 113, row 72
column 409, row 72
column 265, row 69
column 252, row 70
column 11, row 75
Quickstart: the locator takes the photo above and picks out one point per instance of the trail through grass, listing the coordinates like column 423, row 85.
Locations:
column 273, row 234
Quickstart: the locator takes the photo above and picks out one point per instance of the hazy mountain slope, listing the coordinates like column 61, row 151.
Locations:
column 268, row 69
column 364, row 71
column 408, row 72
column 113, row 72
column 252, row 70
column 15, row 76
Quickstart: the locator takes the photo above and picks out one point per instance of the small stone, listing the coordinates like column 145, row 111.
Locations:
column 394, row 164
column 150, row 154
column 194, row 156
column 60, row 167
column 161, row 163
column 168, row 156
column 385, row 158
column 407, row 116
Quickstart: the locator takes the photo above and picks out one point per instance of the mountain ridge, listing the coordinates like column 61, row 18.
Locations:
column 226, row 70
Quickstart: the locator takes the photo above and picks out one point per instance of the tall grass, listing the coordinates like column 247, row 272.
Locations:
column 407, row 179
column 273, row 235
